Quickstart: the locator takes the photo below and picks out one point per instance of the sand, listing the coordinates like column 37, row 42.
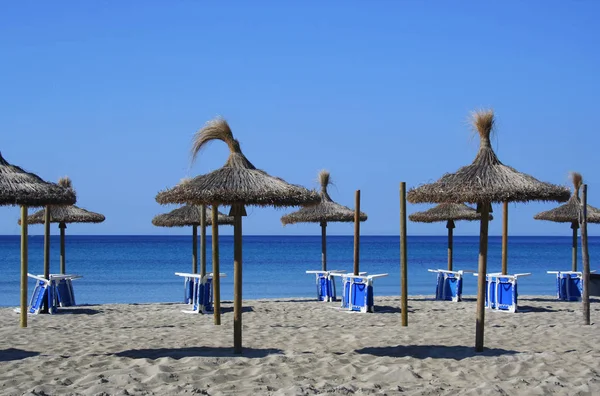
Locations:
column 302, row 347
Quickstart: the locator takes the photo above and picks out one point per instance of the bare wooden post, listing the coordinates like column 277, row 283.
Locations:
column 23, row 266
column 575, row 227
column 585, row 295
column 403, row 257
column 450, row 226
column 46, row 305
column 324, row 245
column 63, row 265
column 237, row 211
column 194, row 249
column 356, row 232
column 505, row 238
column 215, row 265
column 484, row 209
column 203, row 241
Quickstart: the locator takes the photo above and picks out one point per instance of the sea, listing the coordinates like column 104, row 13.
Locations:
column 141, row 269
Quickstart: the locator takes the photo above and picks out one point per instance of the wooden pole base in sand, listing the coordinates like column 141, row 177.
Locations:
column 237, row 211
column 23, row 315
column 403, row 257
column 215, row 265
column 484, row 209
column 585, row 295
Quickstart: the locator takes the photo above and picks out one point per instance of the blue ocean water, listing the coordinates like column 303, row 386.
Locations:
column 140, row 269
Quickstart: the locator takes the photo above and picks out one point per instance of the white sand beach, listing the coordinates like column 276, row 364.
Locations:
column 302, row 347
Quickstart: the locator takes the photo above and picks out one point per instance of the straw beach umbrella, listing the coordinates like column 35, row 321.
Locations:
column 238, row 183
column 18, row 187
column 325, row 212
column 192, row 215
column 486, row 181
column 64, row 215
column 570, row 213
column 448, row 212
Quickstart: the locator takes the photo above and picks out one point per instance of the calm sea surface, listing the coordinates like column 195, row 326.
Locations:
column 140, row 269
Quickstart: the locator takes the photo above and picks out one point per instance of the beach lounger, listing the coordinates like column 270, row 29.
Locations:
column 501, row 291
column 357, row 292
column 569, row 285
column 449, row 284
column 58, row 288
column 326, row 284
column 198, row 291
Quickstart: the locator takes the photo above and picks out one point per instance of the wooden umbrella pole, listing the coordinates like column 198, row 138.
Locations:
column 324, row 246
column 46, row 254
column 357, row 232
column 450, row 227
column 481, row 280
column 237, row 211
column 62, row 227
column 403, row 257
column 505, row 238
column 203, row 241
column 23, row 317
column 194, row 249
column 585, row 295
column 215, row 265
column 575, row 227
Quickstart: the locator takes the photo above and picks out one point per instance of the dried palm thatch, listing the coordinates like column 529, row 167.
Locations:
column 188, row 215
column 570, row 211
column 446, row 212
column 18, row 187
column 487, row 179
column 66, row 214
column 326, row 211
column 237, row 182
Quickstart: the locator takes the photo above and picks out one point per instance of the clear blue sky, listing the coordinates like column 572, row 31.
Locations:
column 110, row 94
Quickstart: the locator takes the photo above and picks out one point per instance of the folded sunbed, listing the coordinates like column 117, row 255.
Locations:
column 198, row 291
column 449, row 284
column 501, row 291
column 357, row 292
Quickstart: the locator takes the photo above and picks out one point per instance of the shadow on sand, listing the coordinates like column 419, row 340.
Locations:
column 528, row 309
column 230, row 309
column 180, row 353
column 6, row 355
column 78, row 311
column 455, row 352
column 385, row 309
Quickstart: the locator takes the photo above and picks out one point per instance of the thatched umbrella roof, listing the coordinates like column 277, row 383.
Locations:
column 237, row 182
column 19, row 187
column 446, row 212
column 325, row 211
column 188, row 215
column 570, row 211
column 66, row 214
column 487, row 179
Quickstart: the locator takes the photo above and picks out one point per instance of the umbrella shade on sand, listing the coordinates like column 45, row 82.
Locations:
column 21, row 188
column 238, row 183
column 485, row 181
column 448, row 212
column 570, row 213
column 324, row 212
column 64, row 215
column 192, row 215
